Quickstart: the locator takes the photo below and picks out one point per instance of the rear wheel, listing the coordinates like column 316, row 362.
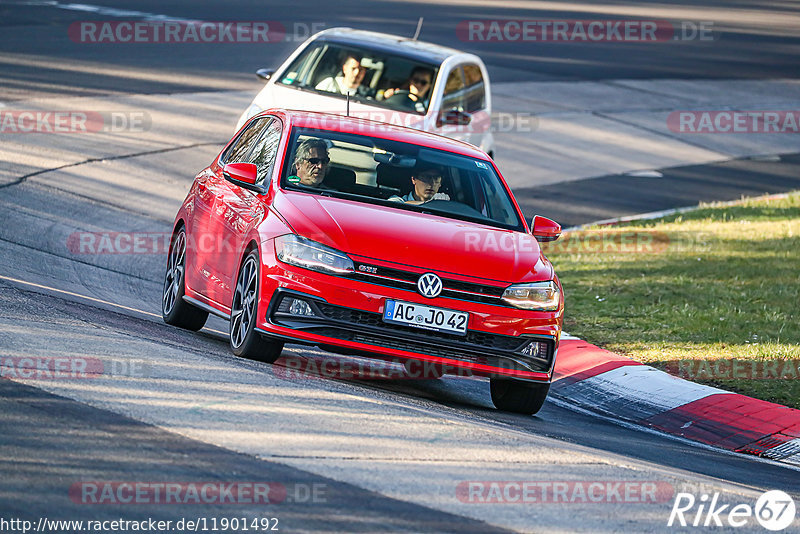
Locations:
column 518, row 397
column 245, row 341
column 175, row 310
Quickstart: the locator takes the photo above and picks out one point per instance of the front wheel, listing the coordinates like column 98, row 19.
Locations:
column 518, row 397
column 175, row 310
column 245, row 341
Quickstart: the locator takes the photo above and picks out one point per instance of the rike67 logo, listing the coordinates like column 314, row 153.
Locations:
column 774, row 510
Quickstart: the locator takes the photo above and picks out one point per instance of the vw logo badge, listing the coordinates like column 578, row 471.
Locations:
column 429, row 285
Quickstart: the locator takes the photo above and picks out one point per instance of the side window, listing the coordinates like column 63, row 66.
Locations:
column 240, row 149
column 300, row 71
column 263, row 154
column 475, row 93
column 453, row 98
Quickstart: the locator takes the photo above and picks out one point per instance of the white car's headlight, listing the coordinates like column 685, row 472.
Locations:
column 301, row 252
column 542, row 296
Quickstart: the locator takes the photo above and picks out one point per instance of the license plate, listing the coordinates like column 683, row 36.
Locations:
column 427, row 317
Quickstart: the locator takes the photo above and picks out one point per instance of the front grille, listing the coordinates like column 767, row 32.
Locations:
column 454, row 289
column 482, row 339
column 349, row 324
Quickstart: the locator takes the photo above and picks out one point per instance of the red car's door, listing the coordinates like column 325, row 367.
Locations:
column 239, row 209
column 206, row 231
column 200, row 223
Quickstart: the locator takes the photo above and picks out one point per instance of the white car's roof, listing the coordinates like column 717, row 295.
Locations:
column 390, row 43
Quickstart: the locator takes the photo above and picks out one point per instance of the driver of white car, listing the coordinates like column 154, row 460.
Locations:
column 416, row 89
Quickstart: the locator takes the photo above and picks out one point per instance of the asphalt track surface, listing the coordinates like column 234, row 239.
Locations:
column 49, row 440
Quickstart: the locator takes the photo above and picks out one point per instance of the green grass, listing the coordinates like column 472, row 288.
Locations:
column 721, row 282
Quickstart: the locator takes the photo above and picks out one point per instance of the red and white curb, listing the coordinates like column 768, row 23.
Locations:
column 602, row 381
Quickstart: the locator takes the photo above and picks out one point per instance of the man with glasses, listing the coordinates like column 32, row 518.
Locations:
column 311, row 163
column 416, row 94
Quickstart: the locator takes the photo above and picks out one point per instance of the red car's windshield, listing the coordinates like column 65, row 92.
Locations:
column 398, row 175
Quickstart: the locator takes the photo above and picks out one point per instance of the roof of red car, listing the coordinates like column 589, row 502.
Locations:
column 340, row 123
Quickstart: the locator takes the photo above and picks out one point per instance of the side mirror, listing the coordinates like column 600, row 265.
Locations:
column 243, row 175
column 544, row 229
column 265, row 74
column 453, row 117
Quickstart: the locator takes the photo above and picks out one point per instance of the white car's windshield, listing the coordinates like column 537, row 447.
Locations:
column 370, row 76
column 398, row 176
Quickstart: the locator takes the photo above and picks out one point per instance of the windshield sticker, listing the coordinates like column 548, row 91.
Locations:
column 481, row 165
column 293, row 179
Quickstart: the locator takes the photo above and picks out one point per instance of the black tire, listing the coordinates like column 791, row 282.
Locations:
column 518, row 397
column 175, row 310
column 245, row 341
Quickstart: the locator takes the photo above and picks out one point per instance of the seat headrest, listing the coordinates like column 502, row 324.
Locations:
column 395, row 177
column 340, row 178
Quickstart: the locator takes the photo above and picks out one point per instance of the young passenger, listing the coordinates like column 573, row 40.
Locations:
column 426, row 182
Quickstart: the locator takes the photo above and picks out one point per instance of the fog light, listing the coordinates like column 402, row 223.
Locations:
column 535, row 349
column 299, row 307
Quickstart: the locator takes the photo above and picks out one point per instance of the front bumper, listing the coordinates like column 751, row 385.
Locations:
column 346, row 316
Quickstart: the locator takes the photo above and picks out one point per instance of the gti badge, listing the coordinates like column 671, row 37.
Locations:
column 429, row 285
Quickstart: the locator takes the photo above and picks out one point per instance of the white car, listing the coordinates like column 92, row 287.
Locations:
column 457, row 102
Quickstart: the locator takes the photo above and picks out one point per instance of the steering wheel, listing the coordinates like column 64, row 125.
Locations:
column 453, row 206
column 401, row 97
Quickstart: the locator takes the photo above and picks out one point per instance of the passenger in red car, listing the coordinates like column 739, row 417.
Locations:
column 426, row 183
column 311, row 162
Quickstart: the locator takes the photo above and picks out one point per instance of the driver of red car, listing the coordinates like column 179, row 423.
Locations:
column 311, row 163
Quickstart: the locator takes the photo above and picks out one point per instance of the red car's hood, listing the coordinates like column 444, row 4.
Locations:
column 415, row 239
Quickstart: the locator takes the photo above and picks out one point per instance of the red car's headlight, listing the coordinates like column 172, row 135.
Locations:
column 541, row 296
column 301, row 252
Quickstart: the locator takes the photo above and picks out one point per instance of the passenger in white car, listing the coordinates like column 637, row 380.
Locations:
column 349, row 80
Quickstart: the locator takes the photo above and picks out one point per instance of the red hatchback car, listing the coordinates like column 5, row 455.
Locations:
column 369, row 239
